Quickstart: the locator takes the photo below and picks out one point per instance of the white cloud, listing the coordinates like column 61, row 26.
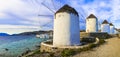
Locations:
column 11, row 29
column 38, row 21
column 26, row 12
column 17, row 26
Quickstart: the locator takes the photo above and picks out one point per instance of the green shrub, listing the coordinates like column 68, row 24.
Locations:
column 88, row 39
column 79, row 50
column 67, row 52
column 37, row 52
column 118, row 36
column 51, row 54
column 101, row 41
column 92, row 45
column 85, row 48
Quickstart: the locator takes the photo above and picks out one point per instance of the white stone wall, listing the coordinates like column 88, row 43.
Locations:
column 91, row 25
column 66, row 30
column 112, row 30
column 105, row 28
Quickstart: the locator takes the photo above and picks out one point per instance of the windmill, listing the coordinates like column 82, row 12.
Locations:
column 54, row 8
column 47, row 7
column 42, row 15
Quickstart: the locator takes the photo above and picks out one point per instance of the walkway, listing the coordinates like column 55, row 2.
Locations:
column 110, row 49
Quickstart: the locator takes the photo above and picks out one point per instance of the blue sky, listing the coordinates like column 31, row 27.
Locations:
column 18, row 16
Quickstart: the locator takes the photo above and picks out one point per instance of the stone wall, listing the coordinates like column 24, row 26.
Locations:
column 45, row 47
column 50, row 48
column 98, row 34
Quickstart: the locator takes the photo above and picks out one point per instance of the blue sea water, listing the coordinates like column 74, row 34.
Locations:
column 16, row 45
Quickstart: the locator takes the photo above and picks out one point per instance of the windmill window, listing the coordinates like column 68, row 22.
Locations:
column 59, row 16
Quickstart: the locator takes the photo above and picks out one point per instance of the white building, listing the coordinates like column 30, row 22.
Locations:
column 91, row 24
column 112, row 28
column 43, row 36
column 105, row 27
column 66, row 27
column 116, row 31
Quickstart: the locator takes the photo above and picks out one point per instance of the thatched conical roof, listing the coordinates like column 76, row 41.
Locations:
column 111, row 24
column 105, row 22
column 67, row 8
column 91, row 16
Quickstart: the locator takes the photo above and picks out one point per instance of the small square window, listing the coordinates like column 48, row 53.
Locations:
column 59, row 16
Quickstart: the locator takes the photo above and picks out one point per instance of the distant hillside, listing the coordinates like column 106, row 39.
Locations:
column 4, row 34
column 33, row 33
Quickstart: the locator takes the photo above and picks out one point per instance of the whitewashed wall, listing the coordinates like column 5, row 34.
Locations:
column 91, row 25
column 112, row 30
column 105, row 28
column 116, row 32
column 66, row 29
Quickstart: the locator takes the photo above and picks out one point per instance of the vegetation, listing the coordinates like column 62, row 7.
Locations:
column 51, row 54
column 67, row 52
column 37, row 52
column 88, row 39
column 41, row 54
column 89, row 47
column 92, row 45
column 70, row 52
column 101, row 41
column 118, row 36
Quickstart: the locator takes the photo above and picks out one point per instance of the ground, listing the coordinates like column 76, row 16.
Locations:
column 109, row 49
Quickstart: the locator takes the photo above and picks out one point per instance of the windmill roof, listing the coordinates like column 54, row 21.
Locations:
column 111, row 24
column 105, row 22
column 91, row 16
column 67, row 8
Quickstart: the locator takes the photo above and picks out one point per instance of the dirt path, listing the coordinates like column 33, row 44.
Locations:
column 110, row 49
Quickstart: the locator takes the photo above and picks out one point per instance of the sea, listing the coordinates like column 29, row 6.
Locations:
column 16, row 45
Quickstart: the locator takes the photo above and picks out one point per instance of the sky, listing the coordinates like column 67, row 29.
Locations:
column 18, row 16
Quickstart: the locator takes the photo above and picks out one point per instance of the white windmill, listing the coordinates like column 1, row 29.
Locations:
column 105, row 27
column 66, row 28
column 91, row 24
